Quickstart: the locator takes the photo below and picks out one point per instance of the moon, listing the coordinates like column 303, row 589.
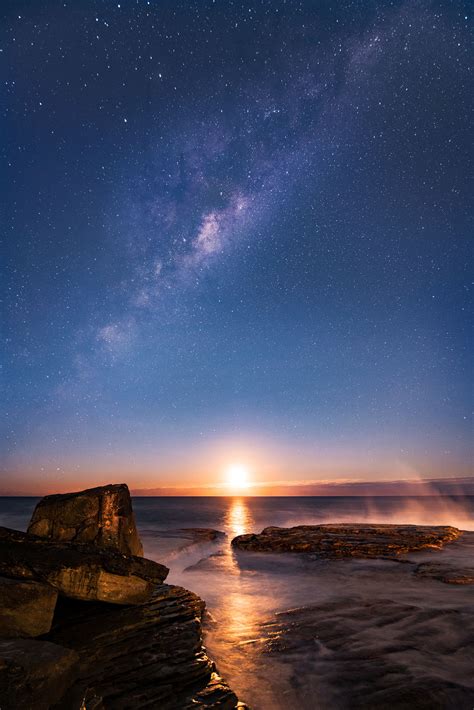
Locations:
column 237, row 476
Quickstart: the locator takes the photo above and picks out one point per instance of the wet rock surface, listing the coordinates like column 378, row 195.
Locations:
column 213, row 563
column 350, row 634
column 170, row 543
column 100, row 516
column 447, row 573
column 26, row 608
column 193, row 535
column 359, row 654
column 79, row 571
column 35, row 675
column 144, row 656
column 348, row 540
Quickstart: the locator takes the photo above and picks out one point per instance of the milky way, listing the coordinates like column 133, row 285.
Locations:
column 235, row 224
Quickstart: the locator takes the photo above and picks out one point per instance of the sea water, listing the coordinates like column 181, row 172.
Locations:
column 243, row 592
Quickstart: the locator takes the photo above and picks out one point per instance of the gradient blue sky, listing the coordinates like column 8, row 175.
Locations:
column 235, row 231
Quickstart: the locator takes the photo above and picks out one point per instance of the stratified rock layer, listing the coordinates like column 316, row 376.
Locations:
column 447, row 573
column 26, row 608
column 79, row 571
column 351, row 540
column 148, row 656
column 364, row 654
column 34, row 675
column 101, row 516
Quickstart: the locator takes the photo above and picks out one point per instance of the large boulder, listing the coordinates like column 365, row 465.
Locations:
column 79, row 571
column 101, row 516
column 34, row 675
column 26, row 607
column 349, row 540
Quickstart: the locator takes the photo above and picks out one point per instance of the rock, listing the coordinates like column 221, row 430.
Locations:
column 217, row 562
column 79, row 571
column 372, row 654
column 167, row 543
column 34, row 675
column 194, row 535
column 101, row 516
column 447, row 573
column 201, row 534
column 349, row 540
column 26, row 608
column 147, row 656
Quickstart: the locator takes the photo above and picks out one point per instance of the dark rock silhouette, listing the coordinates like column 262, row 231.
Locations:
column 35, row 675
column 26, row 607
column 102, row 516
column 348, row 540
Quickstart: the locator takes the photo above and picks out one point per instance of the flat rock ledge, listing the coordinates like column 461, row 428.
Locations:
column 79, row 571
column 348, row 540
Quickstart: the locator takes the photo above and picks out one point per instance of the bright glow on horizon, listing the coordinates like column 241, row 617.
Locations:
column 237, row 476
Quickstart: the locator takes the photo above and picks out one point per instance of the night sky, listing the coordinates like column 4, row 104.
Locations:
column 234, row 231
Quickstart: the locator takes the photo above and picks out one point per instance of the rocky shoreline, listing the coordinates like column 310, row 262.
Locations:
column 88, row 623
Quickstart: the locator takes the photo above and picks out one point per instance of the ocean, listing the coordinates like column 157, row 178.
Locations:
column 244, row 594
